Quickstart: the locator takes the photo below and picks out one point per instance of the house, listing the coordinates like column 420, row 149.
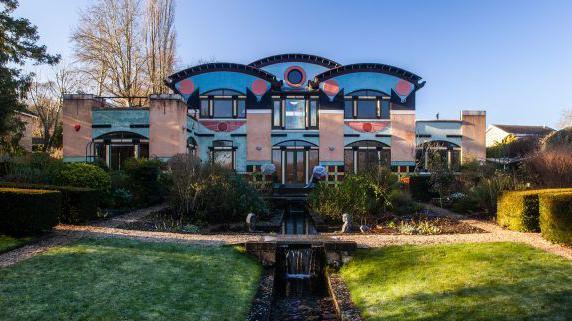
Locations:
column 31, row 126
column 295, row 111
column 497, row 133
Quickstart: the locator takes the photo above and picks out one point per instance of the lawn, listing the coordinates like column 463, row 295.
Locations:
column 130, row 280
column 8, row 243
column 496, row 281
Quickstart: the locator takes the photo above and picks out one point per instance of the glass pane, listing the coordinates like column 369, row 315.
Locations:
column 367, row 109
column 290, row 167
column 455, row 160
column 223, row 158
column 313, row 159
column 222, row 143
column 349, row 160
column 385, row 109
column 276, row 113
column 119, row 154
column 204, row 108
column 300, row 166
column 348, row 108
column 277, row 161
column 241, row 108
column 144, row 150
column 385, row 157
column 222, row 108
column 313, row 113
column 295, row 114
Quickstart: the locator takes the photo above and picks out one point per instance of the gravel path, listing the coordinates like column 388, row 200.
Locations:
column 64, row 234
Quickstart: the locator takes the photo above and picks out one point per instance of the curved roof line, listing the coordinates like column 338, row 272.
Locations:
column 298, row 57
column 219, row 66
column 369, row 67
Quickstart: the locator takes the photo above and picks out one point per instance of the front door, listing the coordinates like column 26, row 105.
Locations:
column 295, row 161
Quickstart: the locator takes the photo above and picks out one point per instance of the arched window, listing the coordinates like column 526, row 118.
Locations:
column 223, row 152
column 116, row 147
column 438, row 153
column 223, row 103
column 192, row 146
column 366, row 104
column 364, row 155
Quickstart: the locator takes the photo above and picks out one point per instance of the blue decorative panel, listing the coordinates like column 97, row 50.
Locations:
column 222, row 80
column 309, row 71
column 438, row 130
column 120, row 120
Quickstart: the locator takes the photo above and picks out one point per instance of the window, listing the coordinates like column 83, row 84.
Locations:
column 222, row 108
column 116, row 147
column 223, row 153
column 223, row 103
column 366, row 104
column 438, row 154
column 295, row 113
column 366, row 155
column 277, row 113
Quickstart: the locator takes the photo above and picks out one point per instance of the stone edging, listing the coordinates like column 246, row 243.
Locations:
column 262, row 303
column 345, row 308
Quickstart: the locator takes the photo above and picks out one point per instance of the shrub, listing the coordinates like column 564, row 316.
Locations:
column 84, row 175
column 556, row 217
column 488, row 189
column 519, row 210
column 143, row 180
column 205, row 192
column 362, row 195
column 78, row 204
column 552, row 166
column 402, row 203
column 32, row 168
column 420, row 188
column 27, row 211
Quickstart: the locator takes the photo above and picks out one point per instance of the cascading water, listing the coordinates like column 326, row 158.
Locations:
column 300, row 263
column 301, row 287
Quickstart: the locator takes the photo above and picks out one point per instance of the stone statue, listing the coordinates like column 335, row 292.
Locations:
column 251, row 222
column 347, row 219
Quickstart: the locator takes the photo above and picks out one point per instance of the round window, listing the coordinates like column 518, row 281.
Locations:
column 295, row 76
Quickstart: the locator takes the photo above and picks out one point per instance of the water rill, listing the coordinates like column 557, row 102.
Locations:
column 301, row 291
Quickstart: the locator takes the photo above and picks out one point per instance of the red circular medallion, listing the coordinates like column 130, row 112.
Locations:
column 259, row 87
column 331, row 87
column 403, row 87
column 367, row 127
column 222, row 127
column 186, row 87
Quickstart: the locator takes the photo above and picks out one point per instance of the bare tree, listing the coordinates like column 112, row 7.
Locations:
column 160, row 39
column 108, row 41
column 566, row 119
column 45, row 99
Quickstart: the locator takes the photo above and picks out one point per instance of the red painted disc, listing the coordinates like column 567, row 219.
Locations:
column 259, row 87
column 331, row 87
column 186, row 87
column 403, row 87
column 222, row 127
column 367, row 127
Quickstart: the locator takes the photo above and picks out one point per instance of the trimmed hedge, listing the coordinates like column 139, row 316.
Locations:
column 28, row 211
column 420, row 188
column 556, row 217
column 519, row 210
column 79, row 204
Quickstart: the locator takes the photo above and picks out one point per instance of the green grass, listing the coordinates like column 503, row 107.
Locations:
column 8, row 243
column 496, row 281
column 130, row 280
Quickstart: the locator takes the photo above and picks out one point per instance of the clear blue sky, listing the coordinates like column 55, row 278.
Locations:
column 510, row 58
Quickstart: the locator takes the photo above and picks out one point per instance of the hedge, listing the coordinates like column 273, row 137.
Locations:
column 28, row 211
column 519, row 210
column 79, row 204
column 556, row 217
column 420, row 188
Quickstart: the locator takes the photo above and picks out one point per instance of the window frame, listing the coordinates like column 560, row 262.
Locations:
column 311, row 112
column 221, row 94
column 232, row 148
column 380, row 99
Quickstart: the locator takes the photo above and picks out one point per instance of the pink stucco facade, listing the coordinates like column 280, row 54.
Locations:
column 167, row 126
column 473, row 130
column 331, row 136
column 259, row 146
column 403, row 136
column 77, row 122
